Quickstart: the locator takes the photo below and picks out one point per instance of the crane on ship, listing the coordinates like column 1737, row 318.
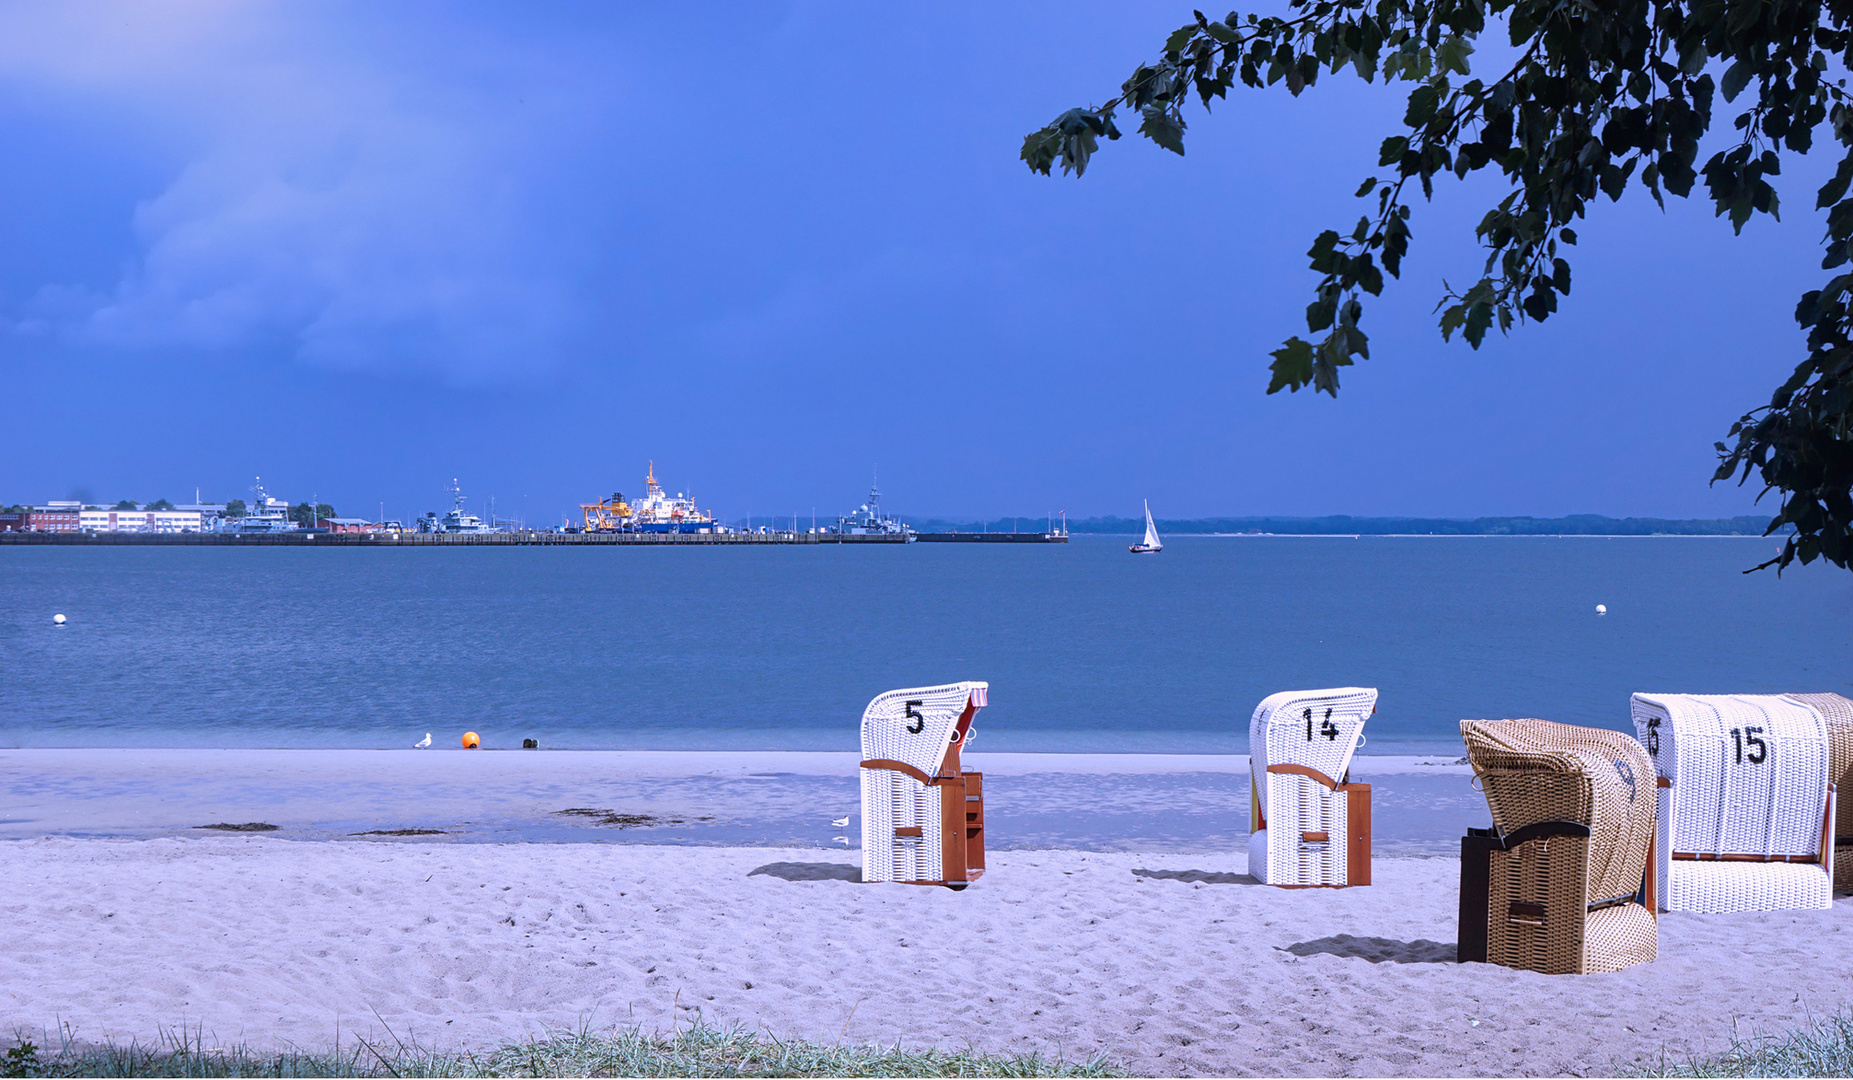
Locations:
column 607, row 515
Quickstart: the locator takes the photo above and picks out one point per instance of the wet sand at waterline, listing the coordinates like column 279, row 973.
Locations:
column 1173, row 963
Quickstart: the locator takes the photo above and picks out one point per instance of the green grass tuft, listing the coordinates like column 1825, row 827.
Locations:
column 697, row 1050
column 1822, row 1048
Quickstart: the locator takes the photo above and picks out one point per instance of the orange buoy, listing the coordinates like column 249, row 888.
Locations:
column 470, row 741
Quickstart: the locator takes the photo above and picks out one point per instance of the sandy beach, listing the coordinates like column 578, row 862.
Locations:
column 1173, row 963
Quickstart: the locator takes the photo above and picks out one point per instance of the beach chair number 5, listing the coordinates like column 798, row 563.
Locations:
column 1328, row 729
column 1759, row 750
column 919, row 721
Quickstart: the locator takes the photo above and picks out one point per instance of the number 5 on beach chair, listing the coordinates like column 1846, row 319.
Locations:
column 922, row 816
column 1308, row 826
column 1555, row 886
column 1746, row 806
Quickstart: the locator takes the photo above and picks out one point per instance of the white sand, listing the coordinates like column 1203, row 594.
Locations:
column 1175, row 964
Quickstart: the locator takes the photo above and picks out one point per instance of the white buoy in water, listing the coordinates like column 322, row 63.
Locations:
column 1602, row 609
column 57, row 620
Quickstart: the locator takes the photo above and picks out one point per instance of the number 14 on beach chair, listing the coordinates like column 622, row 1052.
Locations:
column 922, row 815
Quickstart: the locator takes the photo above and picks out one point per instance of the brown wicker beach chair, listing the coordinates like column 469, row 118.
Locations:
column 1556, row 885
column 1838, row 712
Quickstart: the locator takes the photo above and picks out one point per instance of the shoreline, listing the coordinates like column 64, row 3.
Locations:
column 1152, row 802
column 711, row 762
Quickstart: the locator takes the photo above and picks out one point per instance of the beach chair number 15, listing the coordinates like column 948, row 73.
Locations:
column 1759, row 752
column 1328, row 729
column 919, row 721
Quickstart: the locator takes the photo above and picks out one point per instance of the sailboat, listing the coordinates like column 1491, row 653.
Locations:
column 1149, row 545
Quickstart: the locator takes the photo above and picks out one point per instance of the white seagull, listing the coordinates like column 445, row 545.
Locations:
column 841, row 822
column 426, row 741
column 843, row 840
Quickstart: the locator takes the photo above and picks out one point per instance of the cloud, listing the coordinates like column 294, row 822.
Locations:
column 365, row 194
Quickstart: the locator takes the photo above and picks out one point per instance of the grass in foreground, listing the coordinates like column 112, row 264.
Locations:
column 1822, row 1048
column 698, row 1050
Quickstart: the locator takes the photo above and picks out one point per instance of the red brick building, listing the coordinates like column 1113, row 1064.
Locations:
column 53, row 519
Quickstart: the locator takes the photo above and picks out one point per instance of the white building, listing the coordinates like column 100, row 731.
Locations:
column 97, row 519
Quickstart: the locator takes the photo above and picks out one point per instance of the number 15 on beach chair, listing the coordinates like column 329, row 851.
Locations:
column 922, row 815
column 1308, row 826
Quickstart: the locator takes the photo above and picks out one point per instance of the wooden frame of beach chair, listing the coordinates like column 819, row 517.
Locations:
column 1746, row 806
column 922, row 814
column 1837, row 712
column 1309, row 826
column 1560, row 883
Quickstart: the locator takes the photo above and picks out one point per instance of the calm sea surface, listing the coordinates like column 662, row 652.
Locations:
column 1086, row 648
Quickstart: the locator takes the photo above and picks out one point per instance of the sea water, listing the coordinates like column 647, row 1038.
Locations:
column 1086, row 647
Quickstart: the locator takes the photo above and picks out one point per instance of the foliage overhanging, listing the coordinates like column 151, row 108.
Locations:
column 1601, row 96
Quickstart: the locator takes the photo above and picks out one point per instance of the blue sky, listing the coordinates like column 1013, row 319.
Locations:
column 360, row 249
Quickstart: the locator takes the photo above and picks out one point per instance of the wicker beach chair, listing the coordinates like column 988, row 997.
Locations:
column 922, row 816
column 1745, row 807
column 1837, row 711
column 1555, row 885
column 1309, row 825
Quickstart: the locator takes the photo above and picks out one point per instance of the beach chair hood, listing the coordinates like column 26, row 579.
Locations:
column 1536, row 771
column 916, row 726
column 1748, row 771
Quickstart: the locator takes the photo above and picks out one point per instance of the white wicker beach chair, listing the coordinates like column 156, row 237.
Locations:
column 1746, row 808
column 1308, row 825
column 922, row 816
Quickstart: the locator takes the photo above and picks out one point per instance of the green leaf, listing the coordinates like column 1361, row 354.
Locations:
column 1292, row 366
column 1736, row 77
column 1039, row 149
column 1423, row 101
column 1163, row 127
column 1453, row 53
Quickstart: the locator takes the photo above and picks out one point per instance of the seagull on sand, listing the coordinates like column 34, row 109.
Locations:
column 841, row 822
column 425, row 742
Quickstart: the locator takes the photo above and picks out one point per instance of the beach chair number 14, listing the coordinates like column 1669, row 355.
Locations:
column 1328, row 729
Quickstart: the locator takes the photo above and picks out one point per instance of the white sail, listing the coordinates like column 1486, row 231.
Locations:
column 1151, row 530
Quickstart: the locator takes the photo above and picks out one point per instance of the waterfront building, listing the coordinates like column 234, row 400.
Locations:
column 58, row 517
column 98, row 519
column 350, row 525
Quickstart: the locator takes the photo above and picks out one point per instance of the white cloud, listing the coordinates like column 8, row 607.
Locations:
column 371, row 194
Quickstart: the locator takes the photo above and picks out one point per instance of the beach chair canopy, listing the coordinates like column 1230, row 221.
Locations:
column 1748, row 772
column 1318, row 729
column 1536, row 771
column 916, row 726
